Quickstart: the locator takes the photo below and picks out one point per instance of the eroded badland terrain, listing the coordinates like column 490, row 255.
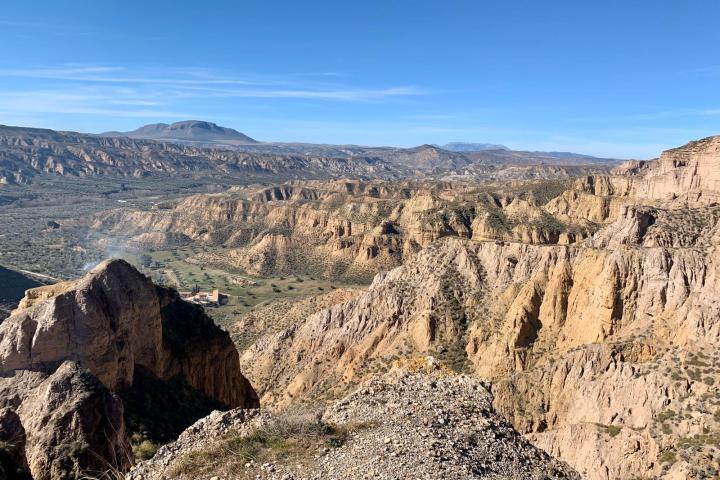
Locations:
column 394, row 313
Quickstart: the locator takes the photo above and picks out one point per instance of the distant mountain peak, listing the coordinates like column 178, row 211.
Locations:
column 187, row 131
column 472, row 147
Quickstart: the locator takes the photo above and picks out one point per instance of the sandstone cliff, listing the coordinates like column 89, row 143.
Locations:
column 600, row 341
column 349, row 230
column 581, row 342
column 69, row 347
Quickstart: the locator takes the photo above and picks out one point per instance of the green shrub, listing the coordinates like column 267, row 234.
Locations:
column 667, row 456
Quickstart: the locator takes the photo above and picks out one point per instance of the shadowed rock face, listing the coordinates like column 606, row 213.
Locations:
column 13, row 464
column 70, row 346
column 198, row 351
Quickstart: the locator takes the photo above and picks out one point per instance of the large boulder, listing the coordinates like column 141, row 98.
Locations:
column 115, row 319
column 109, row 321
column 74, row 426
column 73, row 352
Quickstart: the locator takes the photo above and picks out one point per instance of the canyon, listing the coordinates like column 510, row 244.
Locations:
column 600, row 347
column 558, row 322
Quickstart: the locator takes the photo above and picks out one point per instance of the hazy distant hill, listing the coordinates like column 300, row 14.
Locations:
column 187, row 131
column 28, row 152
column 472, row 147
column 519, row 157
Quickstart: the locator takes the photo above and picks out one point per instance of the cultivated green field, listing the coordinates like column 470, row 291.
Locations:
column 244, row 292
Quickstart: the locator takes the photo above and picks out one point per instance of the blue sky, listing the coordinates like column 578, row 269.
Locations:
column 611, row 78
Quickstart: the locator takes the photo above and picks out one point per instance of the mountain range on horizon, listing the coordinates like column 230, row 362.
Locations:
column 471, row 146
column 201, row 150
column 208, row 133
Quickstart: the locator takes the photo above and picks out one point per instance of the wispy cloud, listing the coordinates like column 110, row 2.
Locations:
column 103, row 89
column 648, row 116
column 210, row 83
column 341, row 94
column 120, row 75
column 86, row 102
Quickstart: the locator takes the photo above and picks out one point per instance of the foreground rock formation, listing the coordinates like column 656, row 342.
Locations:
column 401, row 425
column 72, row 350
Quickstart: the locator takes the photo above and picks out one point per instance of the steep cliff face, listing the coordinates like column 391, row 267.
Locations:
column 70, row 346
column 109, row 321
column 531, row 297
column 692, row 171
column 573, row 337
column 411, row 308
column 114, row 319
column 195, row 349
column 689, row 174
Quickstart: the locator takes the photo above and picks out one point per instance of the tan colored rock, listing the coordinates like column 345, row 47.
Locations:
column 71, row 345
column 109, row 321
column 344, row 229
column 628, row 454
column 112, row 320
column 692, row 170
column 74, row 426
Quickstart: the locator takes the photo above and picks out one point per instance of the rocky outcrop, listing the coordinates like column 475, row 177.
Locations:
column 404, row 424
column 691, row 171
column 414, row 308
column 70, row 346
column 510, row 300
column 115, row 319
column 109, row 321
column 538, row 320
column 626, row 454
column 689, row 174
column 74, row 426
column 629, row 228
